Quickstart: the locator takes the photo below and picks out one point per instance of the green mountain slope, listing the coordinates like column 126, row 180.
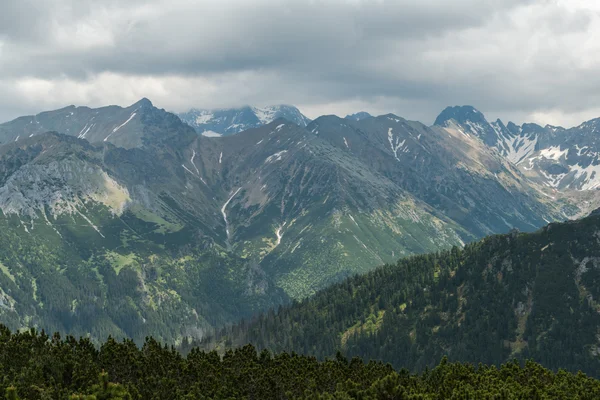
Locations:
column 312, row 214
column 508, row 296
column 88, row 247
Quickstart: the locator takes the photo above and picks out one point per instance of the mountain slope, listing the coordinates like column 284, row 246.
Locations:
column 315, row 205
column 98, row 240
column 186, row 232
column 517, row 295
column 455, row 175
column 312, row 214
column 225, row 122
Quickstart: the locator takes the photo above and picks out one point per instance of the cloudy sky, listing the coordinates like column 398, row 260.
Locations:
column 521, row 60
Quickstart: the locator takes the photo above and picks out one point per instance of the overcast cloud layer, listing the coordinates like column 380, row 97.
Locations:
column 536, row 60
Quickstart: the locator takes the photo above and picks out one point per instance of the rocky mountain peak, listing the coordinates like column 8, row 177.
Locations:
column 143, row 102
column 469, row 121
column 553, row 128
column 358, row 116
column 460, row 114
column 513, row 128
column 593, row 125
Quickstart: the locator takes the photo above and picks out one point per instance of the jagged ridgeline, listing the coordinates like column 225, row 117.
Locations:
column 508, row 296
column 35, row 366
column 565, row 162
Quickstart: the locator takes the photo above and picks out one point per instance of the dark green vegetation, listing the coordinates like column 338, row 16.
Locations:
column 35, row 366
column 508, row 296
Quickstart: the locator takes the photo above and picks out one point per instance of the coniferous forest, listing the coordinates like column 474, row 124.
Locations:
column 36, row 366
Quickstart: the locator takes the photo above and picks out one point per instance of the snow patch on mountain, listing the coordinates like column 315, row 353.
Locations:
column 211, row 134
column 115, row 130
column 204, row 117
column 395, row 143
column 519, row 148
column 265, row 115
column 275, row 157
column 224, row 213
column 192, row 161
column 588, row 176
column 84, row 131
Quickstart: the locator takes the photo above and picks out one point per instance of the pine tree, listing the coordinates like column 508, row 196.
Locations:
column 11, row 393
column 105, row 390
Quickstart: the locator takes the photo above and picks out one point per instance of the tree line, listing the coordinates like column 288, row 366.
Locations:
column 34, row 365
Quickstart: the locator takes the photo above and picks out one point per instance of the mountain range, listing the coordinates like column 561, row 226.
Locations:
column 128, row 221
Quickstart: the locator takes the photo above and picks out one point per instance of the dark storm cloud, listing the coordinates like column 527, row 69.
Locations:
column 207, row 37
column 411, row 57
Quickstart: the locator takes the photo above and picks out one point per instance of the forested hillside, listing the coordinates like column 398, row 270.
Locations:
column 35, row 366
column 507, row 296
